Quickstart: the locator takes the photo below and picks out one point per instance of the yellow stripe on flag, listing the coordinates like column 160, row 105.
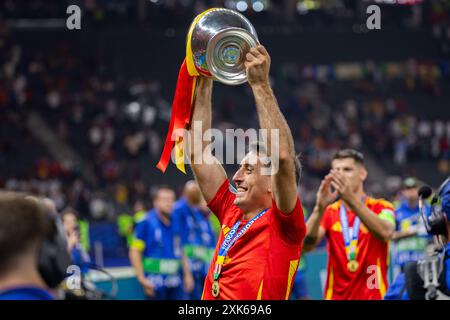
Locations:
column 192, row 70
column 179, row 155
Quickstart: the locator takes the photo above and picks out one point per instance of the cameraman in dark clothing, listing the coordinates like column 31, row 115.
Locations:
column 429, row 278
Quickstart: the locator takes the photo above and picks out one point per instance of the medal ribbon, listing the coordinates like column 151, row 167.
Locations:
column 350, row 235
column 229, row 241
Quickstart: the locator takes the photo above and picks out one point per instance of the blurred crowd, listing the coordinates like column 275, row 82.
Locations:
column 117, row 125
column 178, row 13
column 397, row 111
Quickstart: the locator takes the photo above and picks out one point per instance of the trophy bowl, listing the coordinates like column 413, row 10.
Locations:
column 219, row 42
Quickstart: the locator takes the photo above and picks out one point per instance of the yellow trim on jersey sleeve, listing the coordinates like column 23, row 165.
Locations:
column 329, row 292
column 382, row 202
column 381, row 283
column 137, row 244
column 386, row 204
column 292, row 268
column 260, row 291
column 337, row 227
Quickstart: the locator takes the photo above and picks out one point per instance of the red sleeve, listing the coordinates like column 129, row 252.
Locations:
column 292, row 225
column 222, row 201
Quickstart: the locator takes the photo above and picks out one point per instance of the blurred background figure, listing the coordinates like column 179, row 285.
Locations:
column 79, row 255
column 410, row 239
column 24, row 224
column 127, row 221
column 154, row 255
column 194, row 232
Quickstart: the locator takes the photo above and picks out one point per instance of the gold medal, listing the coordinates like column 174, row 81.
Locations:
column 215, row 289
column 352, row 265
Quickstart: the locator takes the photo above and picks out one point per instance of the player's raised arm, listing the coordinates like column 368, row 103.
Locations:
column 314, row 231
column 270, row 118
column 207, row 170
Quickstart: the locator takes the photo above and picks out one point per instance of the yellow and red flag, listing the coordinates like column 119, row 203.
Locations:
column 181, row 106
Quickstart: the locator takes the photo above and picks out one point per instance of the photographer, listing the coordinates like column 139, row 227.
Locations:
column 429, row 278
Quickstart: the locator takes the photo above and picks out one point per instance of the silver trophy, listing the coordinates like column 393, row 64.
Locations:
column 219, row 42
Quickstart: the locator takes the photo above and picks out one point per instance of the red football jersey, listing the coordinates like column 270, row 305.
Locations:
column 263, row 262
column 369, row 282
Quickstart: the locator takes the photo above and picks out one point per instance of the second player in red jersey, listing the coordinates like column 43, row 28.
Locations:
column 357, row 228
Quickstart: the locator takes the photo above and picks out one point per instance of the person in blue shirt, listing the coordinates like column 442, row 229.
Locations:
column 411, row 237
column 24, row 224
column 157, row 260
column 410, row 240
column 194, row 232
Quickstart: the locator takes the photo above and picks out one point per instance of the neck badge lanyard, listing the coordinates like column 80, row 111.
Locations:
column 350, row 238
column 229, row 241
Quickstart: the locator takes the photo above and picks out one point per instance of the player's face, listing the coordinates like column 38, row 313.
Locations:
column 164, row 201
column 253, row 188
column 354, row 172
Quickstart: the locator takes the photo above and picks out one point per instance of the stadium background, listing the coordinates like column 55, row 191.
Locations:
column 84, row 113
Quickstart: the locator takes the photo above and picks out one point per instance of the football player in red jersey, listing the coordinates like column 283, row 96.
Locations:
column 358, row 229
column 262, row 223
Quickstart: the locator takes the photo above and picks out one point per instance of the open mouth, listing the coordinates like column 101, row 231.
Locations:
column 241, row 190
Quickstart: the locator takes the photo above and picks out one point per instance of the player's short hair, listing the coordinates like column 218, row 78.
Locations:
column 350, row 153
column 259, row 147
column 24, row 221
